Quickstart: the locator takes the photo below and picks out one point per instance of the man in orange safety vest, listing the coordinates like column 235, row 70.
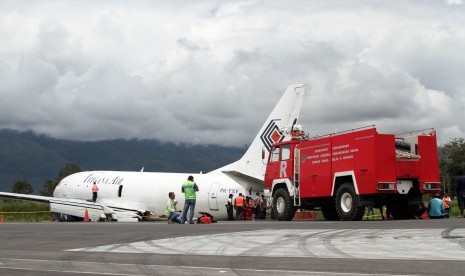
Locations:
column 94, row 192
column 239, row 206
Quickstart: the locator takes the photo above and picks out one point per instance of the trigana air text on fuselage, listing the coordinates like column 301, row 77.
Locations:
column 127, row 196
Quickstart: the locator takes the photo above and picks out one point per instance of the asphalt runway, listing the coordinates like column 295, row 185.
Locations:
column 411, row 247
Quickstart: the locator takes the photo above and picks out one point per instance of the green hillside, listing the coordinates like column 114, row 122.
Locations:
column 37, row 158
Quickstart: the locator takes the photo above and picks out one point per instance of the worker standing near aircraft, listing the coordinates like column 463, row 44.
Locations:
column 94, row 192
column 250, row 208
column 460, row 189
column 239, row 206
column 263, row 206
column 256, row 203
column 229, row 207
column 189, row 188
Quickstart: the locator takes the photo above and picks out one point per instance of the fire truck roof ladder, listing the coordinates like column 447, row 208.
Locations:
column 296, row 181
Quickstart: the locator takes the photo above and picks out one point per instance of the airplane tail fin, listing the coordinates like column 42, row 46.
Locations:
column 285, row 113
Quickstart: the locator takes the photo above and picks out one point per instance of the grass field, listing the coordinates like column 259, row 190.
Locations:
column 24, row 211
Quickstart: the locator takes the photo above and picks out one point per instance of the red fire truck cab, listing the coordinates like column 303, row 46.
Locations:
column 342, row 173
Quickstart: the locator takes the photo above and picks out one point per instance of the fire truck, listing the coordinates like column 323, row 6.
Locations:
column 342, row 173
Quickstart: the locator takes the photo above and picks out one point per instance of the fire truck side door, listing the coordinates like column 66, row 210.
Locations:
column 316, row 168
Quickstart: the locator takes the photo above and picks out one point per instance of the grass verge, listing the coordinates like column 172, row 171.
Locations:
column 24, row 211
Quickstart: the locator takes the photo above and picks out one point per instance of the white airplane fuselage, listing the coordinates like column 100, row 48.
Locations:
column 149, row 190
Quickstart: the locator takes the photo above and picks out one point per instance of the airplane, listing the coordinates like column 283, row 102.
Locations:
column 136, row 196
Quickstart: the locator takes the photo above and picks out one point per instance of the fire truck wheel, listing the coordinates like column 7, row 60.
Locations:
column 347, row 203
column 283, row 207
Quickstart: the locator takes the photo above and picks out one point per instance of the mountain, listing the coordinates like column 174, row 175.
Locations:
column 37, row 158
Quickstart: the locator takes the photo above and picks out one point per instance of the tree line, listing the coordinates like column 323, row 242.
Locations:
column 452, row 163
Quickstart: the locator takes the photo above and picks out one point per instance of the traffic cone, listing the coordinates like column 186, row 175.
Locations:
column 86, row 216
column 2, row 220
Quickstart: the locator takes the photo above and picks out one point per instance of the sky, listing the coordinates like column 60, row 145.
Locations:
column 210, row 72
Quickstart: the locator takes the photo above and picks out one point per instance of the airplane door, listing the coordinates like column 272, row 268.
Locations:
column 213, row 195
column 120, row 191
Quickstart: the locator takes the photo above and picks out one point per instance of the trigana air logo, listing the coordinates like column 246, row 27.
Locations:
column 271, row 134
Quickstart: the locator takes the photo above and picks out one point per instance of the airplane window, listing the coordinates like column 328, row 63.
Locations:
column 285, row 152
column 274, row 155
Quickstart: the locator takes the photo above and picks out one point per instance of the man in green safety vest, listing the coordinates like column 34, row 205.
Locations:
column 189, row 188
column 170, row 209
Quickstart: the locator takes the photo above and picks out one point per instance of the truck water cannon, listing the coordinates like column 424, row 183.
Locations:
column 295, row 131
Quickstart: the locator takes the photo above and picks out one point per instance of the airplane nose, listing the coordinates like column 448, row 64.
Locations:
column 58, row 192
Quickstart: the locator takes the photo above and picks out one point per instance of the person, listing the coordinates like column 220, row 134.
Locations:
column 370, row 211
column 250, row 208
column 239, row 206
column 229, row 207
column 381, row 212
column 271, row 210
column 94, row 192
column 263, row 206
column 421, row 210
column 460, row 189
column 436, row 207
column 446, row 201
column 256, row 203
column 170, row 209
column 189, row 188
column 245, row 211
column 389, row 213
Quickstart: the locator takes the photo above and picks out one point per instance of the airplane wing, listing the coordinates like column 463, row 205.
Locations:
column 78, row 207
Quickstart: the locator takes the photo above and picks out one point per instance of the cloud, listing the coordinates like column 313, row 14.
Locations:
column 454, row 2
column 210, row 72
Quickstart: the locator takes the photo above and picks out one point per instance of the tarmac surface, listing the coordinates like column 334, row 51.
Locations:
column 410, row 247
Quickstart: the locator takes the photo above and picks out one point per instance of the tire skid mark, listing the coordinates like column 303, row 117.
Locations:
column 152, row 244
column 195, row 243
column 262, row 249
column 303, row 242
column 114, row 247
column 204, row 244
column 224, row 245
column 460, row 240
column 328, row 243
column 138, row 249
column 246, row 237
column 234, row 241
